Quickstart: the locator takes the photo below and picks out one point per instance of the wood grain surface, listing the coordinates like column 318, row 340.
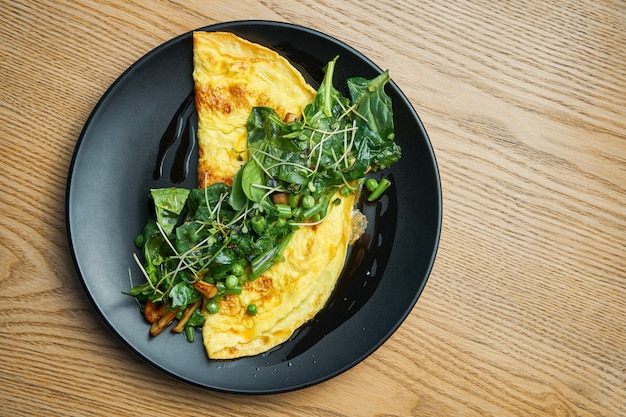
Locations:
column 524, row 313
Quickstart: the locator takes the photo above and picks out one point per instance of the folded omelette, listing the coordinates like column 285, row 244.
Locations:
column 231, row 76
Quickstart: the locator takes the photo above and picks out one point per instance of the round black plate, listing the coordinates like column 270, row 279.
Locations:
column 107, row 206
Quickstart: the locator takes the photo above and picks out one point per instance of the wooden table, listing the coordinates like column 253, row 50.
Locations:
column 525, row 310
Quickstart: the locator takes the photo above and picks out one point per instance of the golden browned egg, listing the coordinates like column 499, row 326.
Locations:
column 288, row 295
column 231, row 76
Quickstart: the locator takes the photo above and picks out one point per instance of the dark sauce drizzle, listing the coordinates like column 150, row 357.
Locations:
column 181, row 128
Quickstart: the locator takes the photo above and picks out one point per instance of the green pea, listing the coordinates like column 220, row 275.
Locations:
column 237, row 269
column 371, row 184
column 252, row 309
column 308, row 201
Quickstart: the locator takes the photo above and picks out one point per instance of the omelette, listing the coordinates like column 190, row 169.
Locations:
column 231, row 76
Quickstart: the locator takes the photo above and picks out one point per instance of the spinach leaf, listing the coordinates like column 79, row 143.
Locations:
column 187, row 236
column 328, row 102
column 375, row 123
column 373, row 105
column 252, row 179
column 237, row 198
column 265, row 125
column 202, row 202
column 168, row 204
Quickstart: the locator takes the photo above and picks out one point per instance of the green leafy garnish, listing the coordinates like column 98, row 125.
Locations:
column 207, row 243
column 168, row 203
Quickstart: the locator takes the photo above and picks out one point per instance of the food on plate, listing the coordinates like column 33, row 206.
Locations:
column 287, row 295
column 256, row 250
column 231, row 76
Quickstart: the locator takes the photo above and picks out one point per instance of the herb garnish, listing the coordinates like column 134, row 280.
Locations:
column 206, row 243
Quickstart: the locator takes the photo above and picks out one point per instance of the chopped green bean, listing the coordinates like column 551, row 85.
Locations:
column 382, row 186
column 258, row 224
column 212, row 307
column 294, row 200
column 235, row 289
column 189, row 333
column 307, row 214
column 284, row 211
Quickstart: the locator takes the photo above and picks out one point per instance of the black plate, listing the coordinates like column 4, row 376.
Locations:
column 107, row 206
